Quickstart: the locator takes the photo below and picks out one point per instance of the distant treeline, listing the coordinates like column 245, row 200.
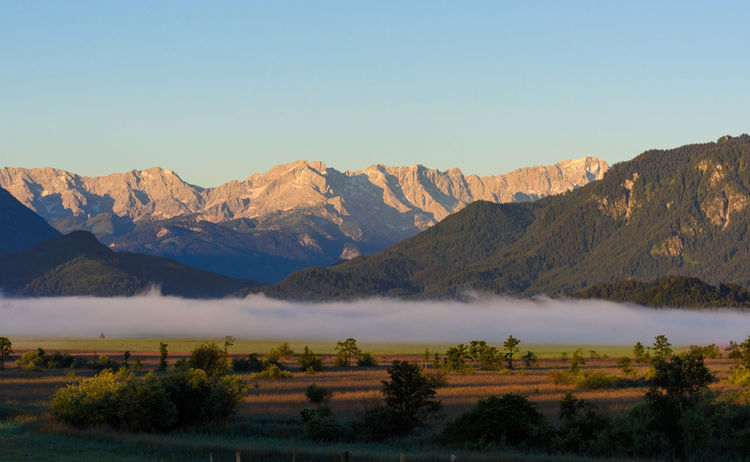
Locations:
column 677, row 291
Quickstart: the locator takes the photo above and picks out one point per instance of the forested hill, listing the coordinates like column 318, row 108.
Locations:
column 670, row 292
column 20, row 227
column 680, row 212
column 78, row 264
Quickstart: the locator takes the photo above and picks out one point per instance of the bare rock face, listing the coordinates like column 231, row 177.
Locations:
column 297, row 210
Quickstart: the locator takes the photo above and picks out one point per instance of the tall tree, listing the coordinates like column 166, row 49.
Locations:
column 511, row 348
column 346, row 350
column 163, row 356
column 410, row 395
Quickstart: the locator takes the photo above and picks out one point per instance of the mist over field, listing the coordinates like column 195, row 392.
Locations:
column 374, row 320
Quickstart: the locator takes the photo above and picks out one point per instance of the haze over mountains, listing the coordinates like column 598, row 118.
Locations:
column 294, row 216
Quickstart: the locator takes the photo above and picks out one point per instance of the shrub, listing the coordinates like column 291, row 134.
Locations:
column 581, row 425
column 145, row 406
column 30, row 362
column 377, row 424
column 310, row 361
column 562, row 377
column 366, row 360
column 272, row 372
column 250, row 363
column 708, row 351
column 38, row 359
column 203, row 399
column 739, row 375
column 89, row 402
column 283, row 351
column 318, row 395
column 596, row 381
column 510, row 419
column 321, row 427
column 103, row 362
column 209, row 358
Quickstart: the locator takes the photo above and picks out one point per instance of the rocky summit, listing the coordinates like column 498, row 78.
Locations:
column 293, row 216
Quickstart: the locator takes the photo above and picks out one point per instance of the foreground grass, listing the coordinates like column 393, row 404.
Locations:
column 24, row 439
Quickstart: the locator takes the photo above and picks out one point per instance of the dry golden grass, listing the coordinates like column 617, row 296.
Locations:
column 355, row 389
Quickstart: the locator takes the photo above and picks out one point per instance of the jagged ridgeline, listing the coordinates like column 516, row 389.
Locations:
column 292, row 217
column 678, row 212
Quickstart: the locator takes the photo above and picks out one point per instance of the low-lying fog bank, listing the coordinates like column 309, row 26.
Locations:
column 374, row 320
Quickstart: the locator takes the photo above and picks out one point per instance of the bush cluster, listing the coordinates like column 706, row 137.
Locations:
column 184, row 397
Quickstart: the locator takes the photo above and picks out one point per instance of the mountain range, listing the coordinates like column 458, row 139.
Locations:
column 677, row 212
column 292, row 217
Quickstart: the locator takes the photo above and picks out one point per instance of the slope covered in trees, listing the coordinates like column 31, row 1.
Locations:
column 20, row 227
column 681, row 212
column 78, row 264
column 670, row 291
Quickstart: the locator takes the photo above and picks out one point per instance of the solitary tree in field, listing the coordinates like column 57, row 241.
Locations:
column 662, row 348
column 163, row 356
column 410, row 395
column 6, row 349
column 228, row 342
column 511, row 348
column 346, row 350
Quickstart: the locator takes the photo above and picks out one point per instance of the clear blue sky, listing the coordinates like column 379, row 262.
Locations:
column 219, row 90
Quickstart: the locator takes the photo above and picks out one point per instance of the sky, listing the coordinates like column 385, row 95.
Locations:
column 220, row 90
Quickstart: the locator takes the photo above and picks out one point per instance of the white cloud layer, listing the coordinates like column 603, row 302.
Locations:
column 373, row 320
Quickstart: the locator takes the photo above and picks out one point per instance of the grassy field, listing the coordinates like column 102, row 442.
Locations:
column 184, row 345
column 268, row 424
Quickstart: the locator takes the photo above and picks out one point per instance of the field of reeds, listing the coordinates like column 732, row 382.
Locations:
column 267, row 426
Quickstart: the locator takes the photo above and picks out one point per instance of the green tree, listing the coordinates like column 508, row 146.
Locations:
column 410, row 395
column 6, row 349
column 679, row 379
column 125, row 358
column 740, row 352
column 625, row 365
column 640, row 353
column 511, row 348
column 530, row 359
column 228, row 342
column 662, row 348
column 576, row 361
column 346, row 350
column 163, row 356
column 455, row 360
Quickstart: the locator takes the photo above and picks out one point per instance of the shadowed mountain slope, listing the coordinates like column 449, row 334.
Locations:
column 681, row 212
column 78, row 264
column 20, row 228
